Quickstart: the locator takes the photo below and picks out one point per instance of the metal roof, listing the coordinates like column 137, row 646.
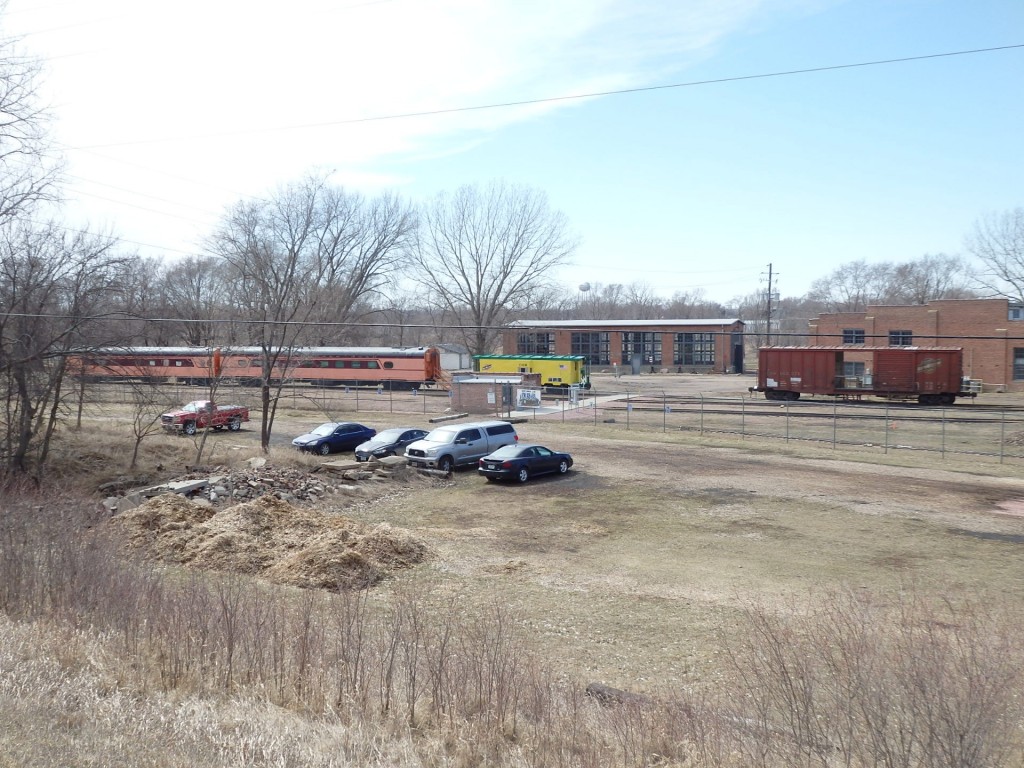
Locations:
column 621, row 323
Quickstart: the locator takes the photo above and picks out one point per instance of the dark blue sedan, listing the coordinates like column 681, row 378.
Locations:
column 523, row 461
column 334, row 437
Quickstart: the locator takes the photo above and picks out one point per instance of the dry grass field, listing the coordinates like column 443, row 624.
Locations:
column 640, row 570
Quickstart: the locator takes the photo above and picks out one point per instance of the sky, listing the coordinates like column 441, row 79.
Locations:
column 663, row 129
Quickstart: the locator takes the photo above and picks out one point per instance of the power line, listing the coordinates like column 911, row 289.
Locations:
column 554, row 99
column 312, row 324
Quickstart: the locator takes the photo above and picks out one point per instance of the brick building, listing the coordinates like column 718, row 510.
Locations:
column 703, row 346
column 990, row 331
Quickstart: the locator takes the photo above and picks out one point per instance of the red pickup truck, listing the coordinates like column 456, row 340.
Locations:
column 200, row 414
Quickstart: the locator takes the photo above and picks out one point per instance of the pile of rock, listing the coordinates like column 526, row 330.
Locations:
column 221, row 486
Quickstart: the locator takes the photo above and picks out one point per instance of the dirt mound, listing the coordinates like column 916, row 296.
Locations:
column 269, row 537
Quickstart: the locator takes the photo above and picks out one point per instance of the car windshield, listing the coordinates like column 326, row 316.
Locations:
column 442, row 435
column 385, row 437
column 324, row 430
column 507, row 452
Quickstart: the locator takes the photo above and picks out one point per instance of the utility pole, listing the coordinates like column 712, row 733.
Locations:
column 768, row 312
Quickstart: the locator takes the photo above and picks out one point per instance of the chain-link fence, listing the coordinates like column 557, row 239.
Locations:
column 971, row 429
column 968, row 429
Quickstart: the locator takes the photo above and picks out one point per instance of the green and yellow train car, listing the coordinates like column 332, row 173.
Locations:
column 555, row 370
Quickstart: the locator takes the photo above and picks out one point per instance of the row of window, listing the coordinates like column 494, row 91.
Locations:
column 687, row 348
column 242, row 362
column 896, row 338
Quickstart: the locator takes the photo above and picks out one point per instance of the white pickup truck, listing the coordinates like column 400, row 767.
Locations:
column 458, row 445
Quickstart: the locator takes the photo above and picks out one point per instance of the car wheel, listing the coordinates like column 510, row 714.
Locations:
column 234, row 425
column 446, row 464
column 324, row 449
column 523, row 475
column 189, row 428
column 563, row 467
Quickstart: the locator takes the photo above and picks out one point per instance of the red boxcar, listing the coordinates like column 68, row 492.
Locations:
column 932, row 375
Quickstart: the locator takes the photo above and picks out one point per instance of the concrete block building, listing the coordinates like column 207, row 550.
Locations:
column 990, row 331
column 634, row 346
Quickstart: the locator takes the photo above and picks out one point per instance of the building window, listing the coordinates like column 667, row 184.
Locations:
column 852, row 369
column 853, row 335
column 536, row 344
column 595, row 347
column 694, row 349
column 901, row 338
column 1016, row 313
column 643, row 344
column 1018, row 363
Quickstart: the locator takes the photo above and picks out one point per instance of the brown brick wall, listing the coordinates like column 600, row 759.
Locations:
column 980, row 326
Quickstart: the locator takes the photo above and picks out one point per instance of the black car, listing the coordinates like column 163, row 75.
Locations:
column 523, row 461
column 334, row 437
column 389, row 442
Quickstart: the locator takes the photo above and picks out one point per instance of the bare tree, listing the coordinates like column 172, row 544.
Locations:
column 308, row 254
column 28, row 167
column 933, row 276
column 53, row 287
column 852, row 286
column 485, row 253
column 694, row 304
column 998, row 243
column 604, row 302
column 642, row 302
column 195, row 292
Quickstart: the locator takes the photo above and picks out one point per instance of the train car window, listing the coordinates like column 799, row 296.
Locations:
column 371, row 363
column 152, row 362
column 339, row 363
column 242, row 362
column 388, row 364
column 356, row 364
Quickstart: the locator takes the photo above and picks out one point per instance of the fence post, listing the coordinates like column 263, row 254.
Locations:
column 1002, row 434
column 886, row 426
column 943, row 433
column 835, row 421
column 787, row 422
column 743, row 416
column 702, row 413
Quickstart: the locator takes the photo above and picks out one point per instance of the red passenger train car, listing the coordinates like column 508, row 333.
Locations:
column 931, row 375
column 320, row 366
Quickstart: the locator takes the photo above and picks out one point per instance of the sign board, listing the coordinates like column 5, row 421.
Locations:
column 528, row 398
